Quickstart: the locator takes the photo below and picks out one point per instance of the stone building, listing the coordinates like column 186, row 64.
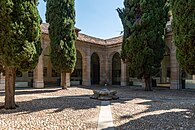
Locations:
column 98, row 63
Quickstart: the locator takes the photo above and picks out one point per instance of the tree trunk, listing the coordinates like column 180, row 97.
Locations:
column 65, row 80
column 147, row 80
column 10, row 76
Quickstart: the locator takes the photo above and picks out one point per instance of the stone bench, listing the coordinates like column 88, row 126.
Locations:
column 21, row 84
column 74, row 82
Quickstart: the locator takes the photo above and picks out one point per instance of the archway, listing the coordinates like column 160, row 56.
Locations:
column 95, row 69
column 116, row 69
column 76, row 76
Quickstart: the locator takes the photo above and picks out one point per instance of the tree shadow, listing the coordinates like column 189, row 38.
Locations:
column 20, row 91
column 166, row 109
column 55, row 104
column 160, row 114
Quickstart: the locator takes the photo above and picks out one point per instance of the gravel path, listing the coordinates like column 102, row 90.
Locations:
column 56, row 109
column 43, row 111
column 161, row 109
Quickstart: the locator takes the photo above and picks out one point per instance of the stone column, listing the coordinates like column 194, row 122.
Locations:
column 103, row 71
column 2, row 81
column 123, row 74
column 86, row 71
column 49, row 68
column 38, row 74
column 193, row 77
column 65, row 78
column 164, row 70
column 193, row 80
column 175, row 84
column 109, row 72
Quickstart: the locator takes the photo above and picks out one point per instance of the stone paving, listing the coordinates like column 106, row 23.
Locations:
column 56, row 109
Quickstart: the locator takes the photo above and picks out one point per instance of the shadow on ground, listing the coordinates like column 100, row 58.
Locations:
column 23, row 91
column 135, row 110
column 161, row 109
column 58, row 104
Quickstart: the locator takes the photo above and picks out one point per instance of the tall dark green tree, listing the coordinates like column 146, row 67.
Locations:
column 184, row 33
column 143, row 43
column 60, row 14
column 20, row 45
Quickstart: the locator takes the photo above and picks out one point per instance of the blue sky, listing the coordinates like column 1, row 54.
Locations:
column 97, row 18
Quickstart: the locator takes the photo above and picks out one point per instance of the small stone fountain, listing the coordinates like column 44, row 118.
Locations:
column 104, row 94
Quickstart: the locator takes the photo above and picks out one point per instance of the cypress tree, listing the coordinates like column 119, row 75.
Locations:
column 184, row 33
column 60, row 14
column 20, row 44
column 143, row 44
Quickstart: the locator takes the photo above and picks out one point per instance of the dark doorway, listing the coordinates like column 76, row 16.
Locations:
column 116, row 69
column 95, row 69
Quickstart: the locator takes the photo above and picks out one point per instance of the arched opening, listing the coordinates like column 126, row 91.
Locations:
column 95, row 69
column 76, row 76
column 116, row 69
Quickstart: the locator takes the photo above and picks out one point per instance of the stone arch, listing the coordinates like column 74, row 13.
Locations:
column 95, row 68
column 82, row 52
column 116, row 69
column 110, row 56
column 100, row 55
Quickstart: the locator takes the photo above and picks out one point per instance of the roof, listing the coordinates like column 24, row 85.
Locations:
column 44, row 28
column 87, row 38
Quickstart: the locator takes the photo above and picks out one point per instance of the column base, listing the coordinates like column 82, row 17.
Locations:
column 124, row 83
column 86, row 83
column 175, row 84
column 2, row 86
column 38, row 84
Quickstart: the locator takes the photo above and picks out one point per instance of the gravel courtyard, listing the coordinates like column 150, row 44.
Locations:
column 56, row 109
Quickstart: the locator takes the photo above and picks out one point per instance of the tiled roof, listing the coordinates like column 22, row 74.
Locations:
column 90, row 39
column 44, row 28
column 114, row 40
column 87, row 38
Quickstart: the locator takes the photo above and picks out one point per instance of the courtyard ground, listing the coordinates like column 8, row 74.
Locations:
column 57, row 109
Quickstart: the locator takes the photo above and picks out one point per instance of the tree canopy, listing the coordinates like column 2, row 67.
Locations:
column 143, row 42
column 184, row 33
column 60, row 14
column 20, row 45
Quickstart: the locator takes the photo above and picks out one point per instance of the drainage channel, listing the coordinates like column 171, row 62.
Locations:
column 105, row 121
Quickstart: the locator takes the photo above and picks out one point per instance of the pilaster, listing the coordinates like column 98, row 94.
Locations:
column 174, row 69
column 86, row 70
column 2, row 81
column 123, row 74
column 38, row 74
